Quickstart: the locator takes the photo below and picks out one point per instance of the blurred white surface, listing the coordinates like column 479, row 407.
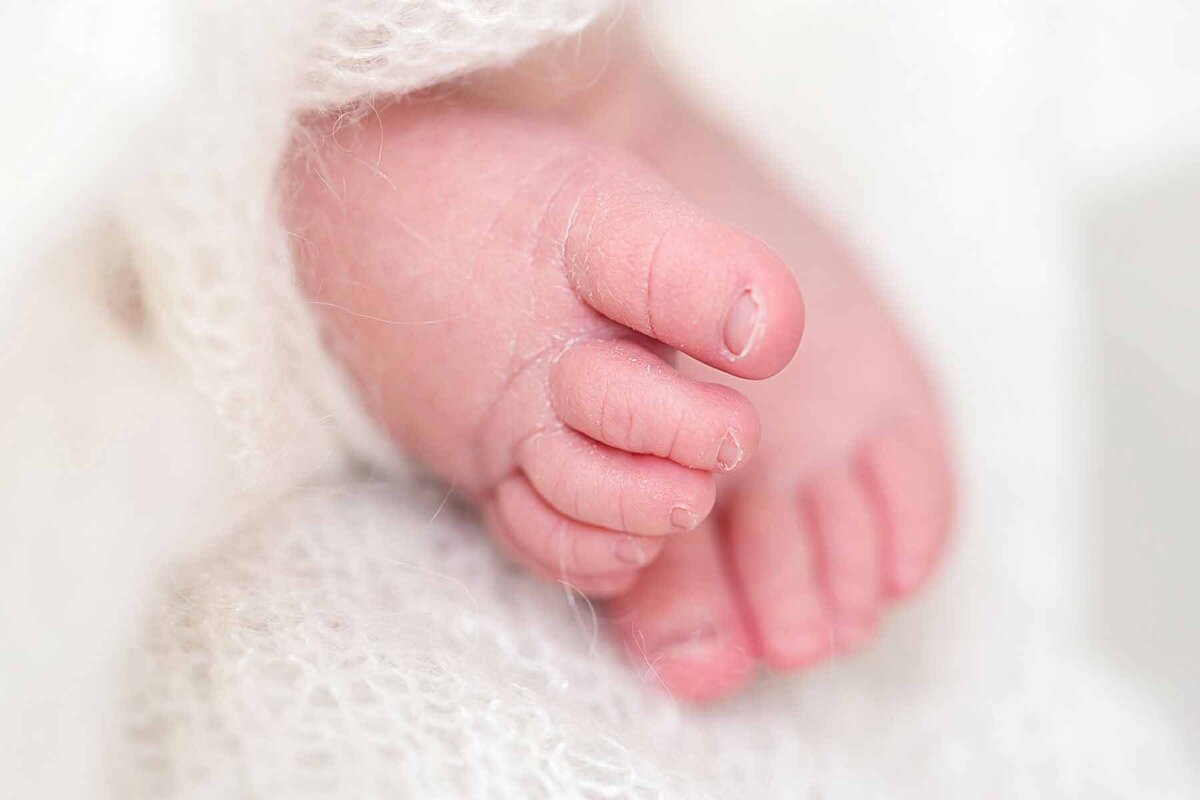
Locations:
column 1144, row 269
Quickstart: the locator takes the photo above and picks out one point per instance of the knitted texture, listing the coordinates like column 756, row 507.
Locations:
column 363, row 665
column 212, row 252
column 371, row 47
column 321, row 655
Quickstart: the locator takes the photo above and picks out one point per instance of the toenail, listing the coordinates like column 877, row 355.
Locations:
column 743, row 324
column 699, row 664
column 687, row 645
column 851, row 633
column 690, row 650
column 803, row 646
column 684, row 518
column 630, row 551
column 730, row 454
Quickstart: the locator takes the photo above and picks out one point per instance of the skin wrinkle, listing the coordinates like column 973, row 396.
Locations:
column 538, row 229
column 578, row 264
column 651, row 266
column 636, row 436
column 554, row 427
column 551, row 353
column 555, row 350
column 596, row 216
column 604, row 410
column 562, row 244
column 646, row 440
column 675, row 436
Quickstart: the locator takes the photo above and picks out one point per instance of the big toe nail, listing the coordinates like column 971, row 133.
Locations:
column 743, row 324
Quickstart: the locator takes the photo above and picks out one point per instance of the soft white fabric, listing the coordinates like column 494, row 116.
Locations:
column 322, row 655
column 326, row 634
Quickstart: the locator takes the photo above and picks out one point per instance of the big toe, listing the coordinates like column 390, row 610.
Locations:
column 680, row 622
column 638, row 253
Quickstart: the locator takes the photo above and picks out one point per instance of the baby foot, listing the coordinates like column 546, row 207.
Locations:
column 847, row 504
column 846, row 507
column 507, row 296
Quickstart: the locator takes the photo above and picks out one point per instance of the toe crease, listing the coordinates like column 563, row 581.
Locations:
column 651, row 268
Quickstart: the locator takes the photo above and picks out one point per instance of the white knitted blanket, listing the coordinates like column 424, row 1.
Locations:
column 216, row 580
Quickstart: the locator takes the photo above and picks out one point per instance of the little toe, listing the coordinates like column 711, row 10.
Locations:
column 908, row 477
column 563, row 547
column 600, row 585
column 851, row 555
column 680, row 621
column 597, row 485
column 774, row 556
column 621, row 394
column 642, row 256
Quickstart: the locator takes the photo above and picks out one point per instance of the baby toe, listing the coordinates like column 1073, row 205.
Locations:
column 621, row 394
column 851, row 555
column 774, row 554
column 561, row 546
column 599, row 585
column 597, row 485
column 908, row 477
column 680, row 622
column 638, row 253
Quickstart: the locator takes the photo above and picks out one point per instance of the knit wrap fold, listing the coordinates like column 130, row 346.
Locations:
column 212, row 254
